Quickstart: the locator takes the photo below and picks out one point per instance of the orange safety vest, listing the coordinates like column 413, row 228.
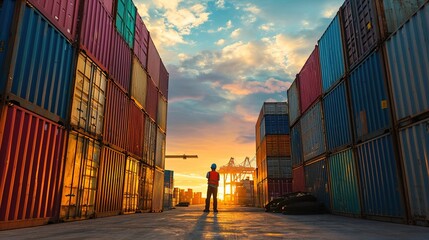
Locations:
column 213, row 178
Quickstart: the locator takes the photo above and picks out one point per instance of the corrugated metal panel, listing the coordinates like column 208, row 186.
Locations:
column 6, row 18
column 344, row 183
column 31, row 164
column 80, row 177
column 146, row 188
column 109, row 6
column 96, row 33
column 397, row 12
column 110, row 183
column 275, row 146
column 151, row 99
column 414, row 141
column 349, row 26
column 115, row 125
column 126, row 20
column 293, row 102
column 160, row 149
column 313, row 132
column 161, row 118
column 120, row 62
column 369, row 99
column 135, row 129
column 279, row 167
column 158, row 191
column 63, row 14
column 163, row 80
column 274, row 125
column 277, row 187
column 89, row 96
column 337, row 118
column 331, row 54
column 380, row 186
column 274, row 108
column 131, row 186
column 298, row 179
column 153, row 62
column 310, row 80
column 42, row 67
column 296, row 145
column 139, row 84
column 141, row 41
column 149, row 142
column 408, row 59
column 316, row 181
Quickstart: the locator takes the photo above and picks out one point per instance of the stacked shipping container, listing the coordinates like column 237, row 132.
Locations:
column 79, row 112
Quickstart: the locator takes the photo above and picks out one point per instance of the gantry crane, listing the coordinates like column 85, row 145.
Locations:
column 184, row 156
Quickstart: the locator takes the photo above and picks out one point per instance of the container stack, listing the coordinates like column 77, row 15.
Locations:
column 83, row 112
column 372, row 107
column 274, row 165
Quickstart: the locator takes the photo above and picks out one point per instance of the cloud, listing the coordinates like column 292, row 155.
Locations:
column 220, row 3
column 270, row 85
column 252, row 9
column 227, row 26
column 329, row 12
column 266, row 27
column 236, row 33
column 220, row 42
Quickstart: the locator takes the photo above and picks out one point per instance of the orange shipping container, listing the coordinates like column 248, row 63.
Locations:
column 275, row 146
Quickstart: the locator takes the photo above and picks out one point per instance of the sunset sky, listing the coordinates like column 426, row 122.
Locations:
column 225, row 59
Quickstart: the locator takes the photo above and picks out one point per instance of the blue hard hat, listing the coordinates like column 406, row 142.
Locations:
column 213, row 166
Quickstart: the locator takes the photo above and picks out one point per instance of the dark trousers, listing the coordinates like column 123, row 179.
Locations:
column 211, row 191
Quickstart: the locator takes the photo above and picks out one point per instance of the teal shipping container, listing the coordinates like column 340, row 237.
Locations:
column 126, row 20
column 316, row 181
column 6, row 17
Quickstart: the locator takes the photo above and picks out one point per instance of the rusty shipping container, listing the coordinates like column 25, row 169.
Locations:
column 276, row 146
column 161, row 118
column 110, row 187
column 160, row 149
column 89, row 96
column 158, row 191
column 131, row 186
column 116, row 115
column 141, row 42
column 163, row 80
column 31, row 163
column 146, row 187
column 97, row 33
column 139, row 82
column 310, row 80
column 120, row 62
column 80, row 177
column 152, row 100
column 136, row 123
column 149, row 144
column 62, row 14
column 153, row 62
column 298, row 179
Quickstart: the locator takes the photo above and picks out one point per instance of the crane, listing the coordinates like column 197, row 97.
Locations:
column 184, row 156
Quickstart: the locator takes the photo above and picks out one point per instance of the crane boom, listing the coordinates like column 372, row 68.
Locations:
column 184, row 156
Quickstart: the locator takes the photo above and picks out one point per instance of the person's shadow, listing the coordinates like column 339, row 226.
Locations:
column 206, row 227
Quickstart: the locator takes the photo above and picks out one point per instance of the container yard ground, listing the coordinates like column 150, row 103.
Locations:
column 232, row 222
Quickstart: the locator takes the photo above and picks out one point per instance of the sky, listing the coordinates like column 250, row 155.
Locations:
column 225, row 59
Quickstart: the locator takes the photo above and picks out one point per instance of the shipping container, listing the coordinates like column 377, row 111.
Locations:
column 110, row 187
column 126, row 13
column 141, row 41
column 151, row 100
column 146, row 187
column 89, row 96
column 158, row 191
column 168, row 190
column 80, row 177
column 414, row 146
column 131, row 186
column 163, row 80
column 408, row 60
column 298, row 179
column 41, row 70
column 310, row 80
column 136, row 123
column 274, row 125
column 350, row 36
column 331, row 54
column 316, row 181
column 293, row 102
column 116, row 115
column 161, row 118
column 153, row 62
column 138, row 84
column 149, row 143
column 345, row 198
column 313, row 132
column 160, row 149
column 278, row 187
column 279, row 167
column 110, row 7
column 274, row 108
column 120, row 62
column 337, row 118
column 296, row 145
column 369, row 100
column 31, row 163
column 97, row 33
column 7, row 16
column 275, row 146
column 62, row 14
column 379, row 179
column 258, row 132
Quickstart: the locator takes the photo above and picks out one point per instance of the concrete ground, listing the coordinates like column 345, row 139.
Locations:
column 230, row 223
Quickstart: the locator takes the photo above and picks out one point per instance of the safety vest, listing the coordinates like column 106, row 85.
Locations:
column 213, row 178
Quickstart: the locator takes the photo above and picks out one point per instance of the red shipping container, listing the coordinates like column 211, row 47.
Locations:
column 120, row 62
column 141, row 41
column 31, row 164
column 152, row 100
column 154, row 62
column 116, row 116
column 135, row 130
column 62, row 14
column 278, row 187
column 96, row 33
column 163, row 80
column 298, row 182
column 109, row 5
column 310, row 80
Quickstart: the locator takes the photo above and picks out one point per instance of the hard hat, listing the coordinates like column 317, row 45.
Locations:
column 213, row 166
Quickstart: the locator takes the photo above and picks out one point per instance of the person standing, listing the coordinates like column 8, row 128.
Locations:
column 212, row 185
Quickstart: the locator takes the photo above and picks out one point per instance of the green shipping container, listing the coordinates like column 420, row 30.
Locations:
column 126, row 20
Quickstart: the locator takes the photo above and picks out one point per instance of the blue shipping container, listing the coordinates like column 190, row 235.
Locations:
column 344, row 183
column 337, row 119
column 369, row 98
column 331, row 54
column 408, row 58
column 41, row 65
column 296, row 145
column 414, row 141
column 399, row 11
column 380, row 183
column 293, row 100
column 274, row 125
column 6, row 16
column 316, row 181
column 313, row 132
